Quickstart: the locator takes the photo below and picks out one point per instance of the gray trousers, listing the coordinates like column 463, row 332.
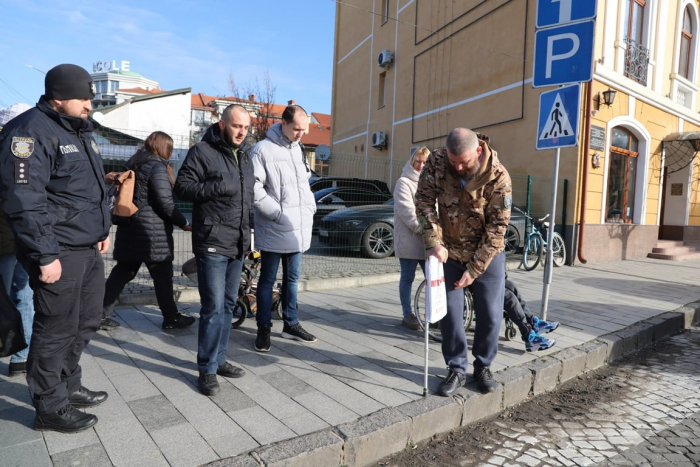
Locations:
column 487, row 291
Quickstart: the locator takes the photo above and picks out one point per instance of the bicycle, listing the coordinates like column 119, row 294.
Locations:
column 247, row 302
column 434, row 328
column 535, row 243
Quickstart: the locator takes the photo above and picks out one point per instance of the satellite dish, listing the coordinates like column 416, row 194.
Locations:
column 323, row 153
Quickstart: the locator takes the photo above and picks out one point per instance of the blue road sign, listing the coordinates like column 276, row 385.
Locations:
column 564, row 54
column 558, row 120
column 556, row 12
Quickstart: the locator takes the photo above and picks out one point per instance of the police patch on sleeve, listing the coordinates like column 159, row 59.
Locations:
column 22, row 147
column 507, row 201
column 94, row 146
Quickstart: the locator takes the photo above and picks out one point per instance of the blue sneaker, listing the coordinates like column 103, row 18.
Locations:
column 540, row 342
column 540, row 326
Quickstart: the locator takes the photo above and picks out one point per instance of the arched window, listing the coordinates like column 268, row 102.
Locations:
column 686, row 40
column 622, row 173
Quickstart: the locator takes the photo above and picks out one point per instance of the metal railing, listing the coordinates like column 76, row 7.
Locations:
column 636, row 61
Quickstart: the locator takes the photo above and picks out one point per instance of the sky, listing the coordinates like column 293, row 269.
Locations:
column 179, row 43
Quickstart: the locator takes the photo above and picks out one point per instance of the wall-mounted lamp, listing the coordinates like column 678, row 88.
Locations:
column 606, row 97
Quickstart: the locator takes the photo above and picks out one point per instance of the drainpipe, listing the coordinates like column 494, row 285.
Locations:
column 584, row 179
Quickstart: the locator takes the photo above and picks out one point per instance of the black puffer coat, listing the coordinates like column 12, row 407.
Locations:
column 149, row 235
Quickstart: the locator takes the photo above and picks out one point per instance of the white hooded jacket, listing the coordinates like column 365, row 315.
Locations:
column 284, row 203
column 408, row 241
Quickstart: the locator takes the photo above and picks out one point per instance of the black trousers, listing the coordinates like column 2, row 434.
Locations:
column 125, row 271
column 516, row 308
column 66, row 315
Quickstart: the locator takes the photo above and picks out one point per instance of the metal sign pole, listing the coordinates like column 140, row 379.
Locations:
column 547, row 279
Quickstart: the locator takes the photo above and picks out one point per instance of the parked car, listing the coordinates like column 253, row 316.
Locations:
column 334, row 198
column 370, row 185
column 369, row 229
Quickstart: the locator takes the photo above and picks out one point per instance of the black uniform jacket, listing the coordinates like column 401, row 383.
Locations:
column 221, row 189
column 148, row 237
column 52, row 183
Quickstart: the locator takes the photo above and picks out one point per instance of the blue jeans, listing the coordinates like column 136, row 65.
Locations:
column 408, row 274
column 16, row 281
column 291, row 269
column 218, row 280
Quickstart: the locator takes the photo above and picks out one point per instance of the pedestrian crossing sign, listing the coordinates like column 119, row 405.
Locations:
column 558, row 118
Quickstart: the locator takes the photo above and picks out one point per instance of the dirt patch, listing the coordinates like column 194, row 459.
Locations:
column 573, row 400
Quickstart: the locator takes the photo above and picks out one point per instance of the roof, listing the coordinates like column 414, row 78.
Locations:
column 323, row 119
column 140, row 90
column 145, row 97
column 318, row 134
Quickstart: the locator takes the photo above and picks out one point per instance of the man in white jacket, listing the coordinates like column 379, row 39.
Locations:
column 284, row 211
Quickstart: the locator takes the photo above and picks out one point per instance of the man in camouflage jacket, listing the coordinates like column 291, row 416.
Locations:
column 473, row 194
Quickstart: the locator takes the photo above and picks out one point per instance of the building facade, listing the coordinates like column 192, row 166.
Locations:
column 110, row 76
column 408, row 71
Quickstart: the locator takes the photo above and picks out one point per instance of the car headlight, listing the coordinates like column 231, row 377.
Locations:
column 347, row 224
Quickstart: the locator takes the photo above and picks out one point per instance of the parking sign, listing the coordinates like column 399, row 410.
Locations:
column 564, row 54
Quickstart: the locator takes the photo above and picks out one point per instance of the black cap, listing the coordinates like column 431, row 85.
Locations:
column 68, row 82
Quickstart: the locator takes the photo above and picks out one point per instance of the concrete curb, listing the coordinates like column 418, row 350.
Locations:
column 390, row 430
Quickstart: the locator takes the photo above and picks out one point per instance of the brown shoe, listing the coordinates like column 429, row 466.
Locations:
column 410, row 322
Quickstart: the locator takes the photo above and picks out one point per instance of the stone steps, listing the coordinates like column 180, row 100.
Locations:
column 673, row 250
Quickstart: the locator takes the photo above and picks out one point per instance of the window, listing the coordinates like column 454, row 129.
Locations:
column 385, row 11
column 686, row 40
column 637, row 56
column 382, row 90
column 622, row 172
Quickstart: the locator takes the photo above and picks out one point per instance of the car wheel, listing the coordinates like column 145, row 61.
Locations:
column 512, row 239
column 378, row 240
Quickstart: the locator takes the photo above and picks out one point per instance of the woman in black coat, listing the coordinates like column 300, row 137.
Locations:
column 147, row 237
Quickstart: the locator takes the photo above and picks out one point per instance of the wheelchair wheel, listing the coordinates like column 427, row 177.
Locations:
column 240, row 312
column 511, row 332
column 434, row 328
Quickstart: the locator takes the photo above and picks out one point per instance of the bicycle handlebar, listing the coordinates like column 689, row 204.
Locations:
column 528, row 216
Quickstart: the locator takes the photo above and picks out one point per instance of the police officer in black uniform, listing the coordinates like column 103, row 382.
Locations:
column 54, row 196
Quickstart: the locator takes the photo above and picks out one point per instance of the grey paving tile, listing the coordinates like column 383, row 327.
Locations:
column 233, row 444
column 286, row 383
column 58, row 442
column 134, row 386
column 16, row 426
column 262, row 426
column 14, row 393
column 305, row 423
column 327, row 409
column 93, row 454
column 126, row 441
column 31, row 453
column 156, row 413
column 183, row 446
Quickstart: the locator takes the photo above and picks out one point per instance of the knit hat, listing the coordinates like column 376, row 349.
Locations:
column 8, row 113
column 68, row 82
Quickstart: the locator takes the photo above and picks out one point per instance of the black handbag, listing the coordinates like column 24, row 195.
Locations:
column 11, row 331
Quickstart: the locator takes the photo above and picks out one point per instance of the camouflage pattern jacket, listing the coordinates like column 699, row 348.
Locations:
column 470, row 222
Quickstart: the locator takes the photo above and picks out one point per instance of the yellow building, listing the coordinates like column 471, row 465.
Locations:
column 408, row 71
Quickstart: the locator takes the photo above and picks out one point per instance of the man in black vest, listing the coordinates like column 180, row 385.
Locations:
column 54, row 196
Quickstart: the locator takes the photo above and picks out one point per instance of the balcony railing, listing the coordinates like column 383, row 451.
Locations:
column 636, row 61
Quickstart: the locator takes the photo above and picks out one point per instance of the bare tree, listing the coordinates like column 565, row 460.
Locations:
column 259, row 100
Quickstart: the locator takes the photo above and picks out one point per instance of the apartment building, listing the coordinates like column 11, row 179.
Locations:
column 408, row 71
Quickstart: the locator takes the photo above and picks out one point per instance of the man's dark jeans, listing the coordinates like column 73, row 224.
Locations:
column 218, row 279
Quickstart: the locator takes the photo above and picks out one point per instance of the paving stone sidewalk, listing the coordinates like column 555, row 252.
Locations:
column 364, row 368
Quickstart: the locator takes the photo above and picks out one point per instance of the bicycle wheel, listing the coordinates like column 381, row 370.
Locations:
column 558, row 250
column 532, row 253
column 434, row 328
column 240, row 312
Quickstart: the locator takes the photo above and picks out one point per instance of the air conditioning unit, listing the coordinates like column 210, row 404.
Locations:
column 385, row 59
column 379, row 140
